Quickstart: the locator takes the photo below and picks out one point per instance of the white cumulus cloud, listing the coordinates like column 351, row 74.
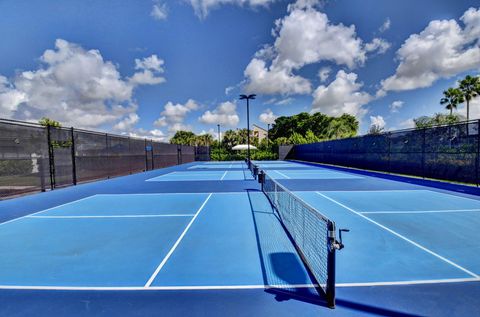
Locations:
column 443, row 49
column 377, row 121
column 385, row 26
column 76, row 87
column 305, row 36
column 203, row 7
column 224, row 114
column 343, row 95
column 159, row 11
column 174, row 115
column 396, row 106
column 267, row 117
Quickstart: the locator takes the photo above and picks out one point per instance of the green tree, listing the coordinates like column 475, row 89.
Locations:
column 321, row 125
column 310, row 137
column 296, row 138
column 183, row 138
column 376, row 129
column 470, row 88
column 436, row 119
column 452, row 97
column 47, row 122
column 229, row 139
column 204, row 139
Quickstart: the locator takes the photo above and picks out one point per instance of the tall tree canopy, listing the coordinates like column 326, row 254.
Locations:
column 184, row 138
column 323, row 127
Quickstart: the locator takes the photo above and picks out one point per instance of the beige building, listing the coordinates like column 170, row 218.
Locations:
column 259, row 132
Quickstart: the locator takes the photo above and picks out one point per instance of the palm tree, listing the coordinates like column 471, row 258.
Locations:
column 452, row 97
column 470, row 88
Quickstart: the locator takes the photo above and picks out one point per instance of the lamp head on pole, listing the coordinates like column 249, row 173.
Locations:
column 252, row 96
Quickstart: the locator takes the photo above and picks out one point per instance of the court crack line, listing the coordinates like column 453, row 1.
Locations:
column 401, row 236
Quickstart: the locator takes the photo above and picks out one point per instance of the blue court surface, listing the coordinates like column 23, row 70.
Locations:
column 201, row 239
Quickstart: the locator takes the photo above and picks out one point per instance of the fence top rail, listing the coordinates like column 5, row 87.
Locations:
column 389, row 133
column 37, row 125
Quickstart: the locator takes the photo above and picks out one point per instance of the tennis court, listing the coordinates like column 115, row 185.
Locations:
column 206, row 241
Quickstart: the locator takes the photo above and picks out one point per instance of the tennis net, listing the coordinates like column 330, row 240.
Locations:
column 312, row 233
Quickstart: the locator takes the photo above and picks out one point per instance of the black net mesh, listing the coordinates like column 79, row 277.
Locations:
column 444, row 152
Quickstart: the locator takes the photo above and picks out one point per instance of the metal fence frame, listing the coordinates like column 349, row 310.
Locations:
column 444, row 152
column 38, row 158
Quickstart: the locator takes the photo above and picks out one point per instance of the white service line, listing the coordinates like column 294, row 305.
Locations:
column 38, row 212
column 402, row 237
column 418, row 211
column 156, row 288
column 223, row 176
column 229, row 287
column 165, row 259
column 415, row 282
column 115, row 216
column 280, row 173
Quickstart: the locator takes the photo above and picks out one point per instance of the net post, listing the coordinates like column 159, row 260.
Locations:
column 74, row 163
column 330, row 287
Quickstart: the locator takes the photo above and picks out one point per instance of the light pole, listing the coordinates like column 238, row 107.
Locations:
column 249, row 97
column 218, row 126
column 268, row 133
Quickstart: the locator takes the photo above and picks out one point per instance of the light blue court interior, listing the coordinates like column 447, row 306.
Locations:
column 214, row 231
column 406, row 235
column 74, row 245
column 310, row 174
column 216, row 166
column 203, row 176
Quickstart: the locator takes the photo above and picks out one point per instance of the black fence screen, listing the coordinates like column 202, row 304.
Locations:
column 444, row 152
column 37, row 158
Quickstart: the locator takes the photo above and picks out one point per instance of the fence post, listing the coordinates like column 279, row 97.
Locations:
column 389, row 138
column 477, row 163
column 74, row 164
column 108, row 153
column 51, row 159
column 153, row 166
column 423, row 152
column 146, row 155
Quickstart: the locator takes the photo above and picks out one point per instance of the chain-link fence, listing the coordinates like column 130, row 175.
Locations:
column 38, row 158
column 443, row 152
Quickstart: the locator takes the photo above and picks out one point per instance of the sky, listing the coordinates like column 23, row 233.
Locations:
column 150, row 68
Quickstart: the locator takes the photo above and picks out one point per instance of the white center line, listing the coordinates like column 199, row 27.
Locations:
column 160, row 266
column 223, row 176
column 401, row 237
column 280, row 173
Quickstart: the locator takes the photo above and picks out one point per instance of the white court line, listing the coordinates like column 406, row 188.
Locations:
column 392, row 283
column 402, row 237
column 418, row 211
column 35, row 213
column 223, row 176
column 279, row 173
column 231, row 287
column 156, row 288
column 160, row 266
column 159, row 194
column 116, row 216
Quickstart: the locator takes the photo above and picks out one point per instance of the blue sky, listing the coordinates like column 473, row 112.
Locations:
column 149, row 68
